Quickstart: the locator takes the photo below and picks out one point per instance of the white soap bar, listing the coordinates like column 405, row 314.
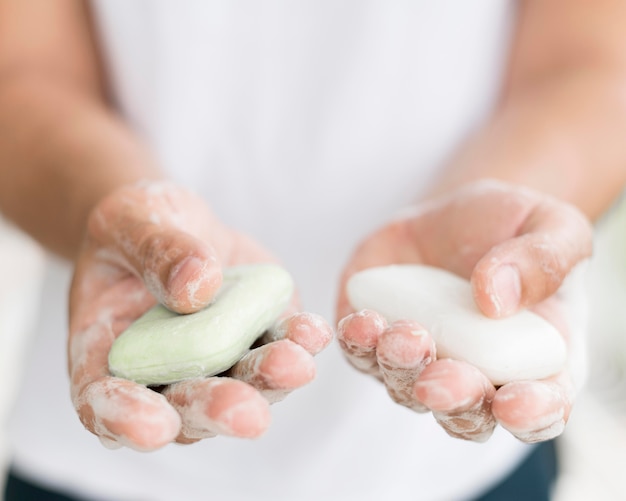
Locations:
column 522, row 346
column 162, row 347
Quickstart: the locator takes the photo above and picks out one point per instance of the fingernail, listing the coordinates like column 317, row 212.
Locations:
column 193, row 281
column 506, row 290
column 183, row 272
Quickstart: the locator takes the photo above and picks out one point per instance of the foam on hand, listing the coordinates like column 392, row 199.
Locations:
column 518, row 347
column 163, row 347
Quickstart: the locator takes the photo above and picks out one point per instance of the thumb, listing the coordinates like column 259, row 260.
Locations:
column 179, row 269
column 530, row 267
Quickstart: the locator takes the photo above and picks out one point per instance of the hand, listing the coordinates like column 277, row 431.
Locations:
column 517, row 246
column 157, row 242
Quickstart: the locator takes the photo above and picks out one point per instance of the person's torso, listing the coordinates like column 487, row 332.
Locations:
column 305, row 124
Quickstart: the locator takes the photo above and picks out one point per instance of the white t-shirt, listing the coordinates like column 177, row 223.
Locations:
column 307, row 125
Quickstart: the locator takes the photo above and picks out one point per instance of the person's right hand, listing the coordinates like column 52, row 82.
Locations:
column 158, row 242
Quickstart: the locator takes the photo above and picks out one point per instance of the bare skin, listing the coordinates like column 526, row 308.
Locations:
column 156, row 241
column 557, row 130
column 103, row 203
column 553, row 140
column 475, row 232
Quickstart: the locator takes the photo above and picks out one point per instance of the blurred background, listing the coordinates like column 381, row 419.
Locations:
column 21, row 269
column 593, row 447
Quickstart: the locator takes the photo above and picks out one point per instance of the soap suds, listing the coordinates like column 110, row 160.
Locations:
column 551, row 262
column 155, row 218
column 438, row 391
column 476, row 424
column 282, row 365
column 143, row 415
column 196, row 424
column 188, row 296
column 87, row 353
column 309, row 330
column 201, row 403
column 358, row 336
column 548, row 433
column 535, row 411
column 154, row 285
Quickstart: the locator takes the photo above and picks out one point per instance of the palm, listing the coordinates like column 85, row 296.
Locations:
column 473, row 233
column 160, row 243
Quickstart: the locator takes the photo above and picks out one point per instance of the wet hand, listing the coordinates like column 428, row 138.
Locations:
column 158, row 242
column 517, row 247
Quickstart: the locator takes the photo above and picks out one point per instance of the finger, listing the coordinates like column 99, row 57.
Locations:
column 358, row 335
column 276, row 369
column 534, row 411
column 308, row 330
column 140, row 227
column 460, row 397
column 218, row 406
column 118, row 411
column 180, row 271
column 123, row 413
column 404, row 350
column 524, row 270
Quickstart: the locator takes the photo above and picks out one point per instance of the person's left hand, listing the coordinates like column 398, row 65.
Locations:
column 517, row 246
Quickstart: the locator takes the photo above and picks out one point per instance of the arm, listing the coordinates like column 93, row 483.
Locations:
column 555, row 143
column 61, row 148
column 558, row 127
column 69, row 175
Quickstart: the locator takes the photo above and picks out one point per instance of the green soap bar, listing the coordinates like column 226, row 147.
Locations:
column 163, row 347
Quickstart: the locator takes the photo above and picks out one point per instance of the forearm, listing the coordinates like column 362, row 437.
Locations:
column 562, row 136
column 61, row 150
column 560, row 120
